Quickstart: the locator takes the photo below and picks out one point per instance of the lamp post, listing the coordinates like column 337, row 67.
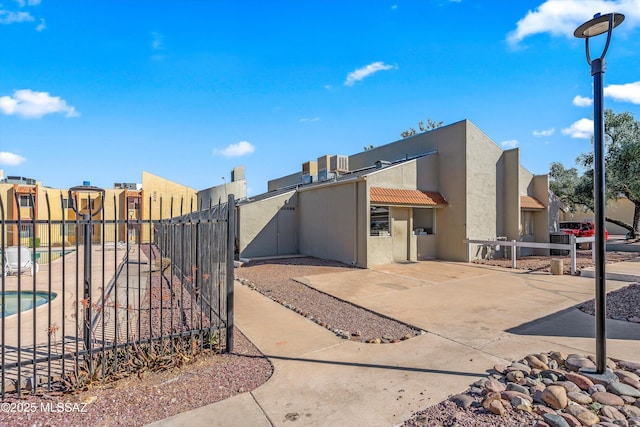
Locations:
column 87, row 214
column 600, row 24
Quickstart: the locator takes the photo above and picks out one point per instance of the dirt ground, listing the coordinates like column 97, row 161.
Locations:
column 543, row 263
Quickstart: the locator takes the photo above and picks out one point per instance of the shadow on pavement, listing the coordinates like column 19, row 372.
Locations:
column 572, row 322
column 377, row 366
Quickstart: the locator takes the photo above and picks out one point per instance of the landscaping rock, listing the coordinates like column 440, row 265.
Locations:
column 555, row 396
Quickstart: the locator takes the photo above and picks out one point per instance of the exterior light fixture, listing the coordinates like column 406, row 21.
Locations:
column 600, row 24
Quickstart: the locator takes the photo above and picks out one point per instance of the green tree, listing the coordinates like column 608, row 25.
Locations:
column 422, row 127
column 622, row 170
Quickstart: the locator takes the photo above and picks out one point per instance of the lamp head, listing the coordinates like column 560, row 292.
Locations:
column 598, row 25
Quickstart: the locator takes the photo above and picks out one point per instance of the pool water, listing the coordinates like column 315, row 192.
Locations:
column 27, row 301
column 42, row 256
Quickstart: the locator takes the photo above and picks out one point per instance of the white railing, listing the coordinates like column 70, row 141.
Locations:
column 571, row 247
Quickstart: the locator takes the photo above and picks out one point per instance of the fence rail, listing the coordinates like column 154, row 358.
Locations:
column 571, row 247
column 88, row 298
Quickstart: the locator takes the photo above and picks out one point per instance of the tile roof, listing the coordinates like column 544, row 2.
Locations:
column 396, row 196
column 528, row 202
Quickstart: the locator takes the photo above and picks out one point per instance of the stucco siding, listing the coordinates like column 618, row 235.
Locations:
column 482, row 157
column 511, row 194
column 258, row 225
column 328, row 222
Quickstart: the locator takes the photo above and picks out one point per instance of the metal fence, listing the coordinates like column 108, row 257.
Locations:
column 87, row 299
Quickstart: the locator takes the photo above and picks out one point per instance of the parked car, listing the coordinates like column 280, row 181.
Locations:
column 581, row 228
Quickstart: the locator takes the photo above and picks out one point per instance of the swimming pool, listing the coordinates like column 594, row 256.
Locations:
column 42, row 255
column 27, row 301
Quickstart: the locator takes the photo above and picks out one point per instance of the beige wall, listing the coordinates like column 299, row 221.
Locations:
column 285, row 181
column 331, row 220
column 176, row 198
column 220, row 193
column 511, row 194
column 258, row 224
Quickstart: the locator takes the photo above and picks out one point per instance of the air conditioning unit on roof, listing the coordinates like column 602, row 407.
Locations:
column 339, row 164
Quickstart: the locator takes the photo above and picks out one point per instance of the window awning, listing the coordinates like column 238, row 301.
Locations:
column 394, row 196
column 528, row 202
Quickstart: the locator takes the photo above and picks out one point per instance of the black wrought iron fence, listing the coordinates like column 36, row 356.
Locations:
column 88, row 298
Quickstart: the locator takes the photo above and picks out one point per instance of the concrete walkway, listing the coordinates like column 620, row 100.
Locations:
column 473, row 316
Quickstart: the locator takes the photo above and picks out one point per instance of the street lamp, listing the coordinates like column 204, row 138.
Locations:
column 600, row 24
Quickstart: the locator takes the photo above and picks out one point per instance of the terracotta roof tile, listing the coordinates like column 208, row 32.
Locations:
column 394, row 196
column 528, row 202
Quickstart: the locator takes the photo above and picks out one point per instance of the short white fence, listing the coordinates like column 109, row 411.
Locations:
column 571, row 247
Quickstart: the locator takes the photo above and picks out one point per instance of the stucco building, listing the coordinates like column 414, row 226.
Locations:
column 413, row 199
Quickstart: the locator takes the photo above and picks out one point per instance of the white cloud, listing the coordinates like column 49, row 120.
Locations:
column 581, row 101
column 511, row 143
column 583, row 129
column 22, row 3
column 307, row 119
column 562, row 17
column 394, row 7
column 29, row 104
column 157, row 41
column 366, row 71
column 9, row 17
column 328, row 87
column 11, row 159
column 629, row 92
column 541, row 133
column 242, row 148
column 41, row 26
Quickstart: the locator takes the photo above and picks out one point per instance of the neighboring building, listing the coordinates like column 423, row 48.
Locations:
column 414, row 199
column 26, row 199
column 220, row 193
column 622, row 209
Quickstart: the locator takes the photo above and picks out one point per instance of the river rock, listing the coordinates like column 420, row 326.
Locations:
column 462, row 400
column 584, row 415
column 607, row 398
column 611, row 412
column 576, row 362
column 515, row 376
column 626, row 374
column 555, row 420
column 579, row 397
column 521, row 404
column 512, row 394
column 571, row 420
column 580, row 380
column 555, row 396
column 534, row 362
column 518, row 388
column 516, row 366
column 568, row 385
column 623, row 389
column 631, row 411
column 494, row 385
column 631, row 382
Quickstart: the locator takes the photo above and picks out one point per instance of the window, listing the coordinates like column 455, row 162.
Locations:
column 379, row 225
column 526, row 223
column 424, row 221
column 26, row 201
column 67, row 203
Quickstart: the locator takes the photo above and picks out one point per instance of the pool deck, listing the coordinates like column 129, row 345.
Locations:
column 51, row 326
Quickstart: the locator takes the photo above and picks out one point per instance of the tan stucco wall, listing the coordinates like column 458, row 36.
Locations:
column 331, row 220
column 257, row 225
column 220, row 193
column 181, row 198
column 511, row 193
column 483, row 188
column 285, row 181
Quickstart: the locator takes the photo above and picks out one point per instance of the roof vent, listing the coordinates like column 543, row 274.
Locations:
column 382, row 164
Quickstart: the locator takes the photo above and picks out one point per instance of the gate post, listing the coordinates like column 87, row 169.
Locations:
column 231, row 242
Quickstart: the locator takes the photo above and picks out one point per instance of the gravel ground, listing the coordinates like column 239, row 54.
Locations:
column 274, row 278
column 210, row 377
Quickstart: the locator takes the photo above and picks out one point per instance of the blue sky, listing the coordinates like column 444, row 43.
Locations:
column 100, row 91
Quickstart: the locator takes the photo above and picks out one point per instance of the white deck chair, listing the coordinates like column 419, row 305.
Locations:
column 11, row 265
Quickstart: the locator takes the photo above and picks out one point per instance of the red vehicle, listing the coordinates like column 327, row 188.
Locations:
column 581, row 228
